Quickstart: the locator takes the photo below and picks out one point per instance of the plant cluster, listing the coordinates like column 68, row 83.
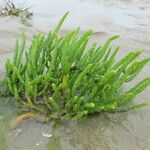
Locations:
column 9, row 8
column 60, row 77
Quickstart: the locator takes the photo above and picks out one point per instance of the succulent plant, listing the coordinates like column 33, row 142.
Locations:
column 60, row 76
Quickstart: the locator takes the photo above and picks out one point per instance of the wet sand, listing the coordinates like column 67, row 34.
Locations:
column 128, row 18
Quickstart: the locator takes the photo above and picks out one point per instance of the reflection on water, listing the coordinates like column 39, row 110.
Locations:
column 120, row 131
column 2, row 134
column 53, row 144
column 6, row 112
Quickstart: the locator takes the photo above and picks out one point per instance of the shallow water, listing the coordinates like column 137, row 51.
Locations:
column 7, row 108
column 131, row 20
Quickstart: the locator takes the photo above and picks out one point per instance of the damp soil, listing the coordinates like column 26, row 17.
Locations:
column 119, row 131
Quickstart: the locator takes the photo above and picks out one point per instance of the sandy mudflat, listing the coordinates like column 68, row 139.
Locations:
column 128, row 18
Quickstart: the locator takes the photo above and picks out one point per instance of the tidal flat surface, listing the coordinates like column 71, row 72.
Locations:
column 120, row 131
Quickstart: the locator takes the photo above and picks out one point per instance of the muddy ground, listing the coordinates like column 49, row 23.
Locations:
column 128, row 18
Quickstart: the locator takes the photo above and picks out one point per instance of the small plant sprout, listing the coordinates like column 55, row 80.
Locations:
column 61, row 77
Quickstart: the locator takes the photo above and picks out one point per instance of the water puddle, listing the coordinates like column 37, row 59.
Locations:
column 7, row 109
column 53, row 144
column 2, row 134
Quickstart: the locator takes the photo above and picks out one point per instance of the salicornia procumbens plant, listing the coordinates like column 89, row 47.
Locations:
column 60, row 77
